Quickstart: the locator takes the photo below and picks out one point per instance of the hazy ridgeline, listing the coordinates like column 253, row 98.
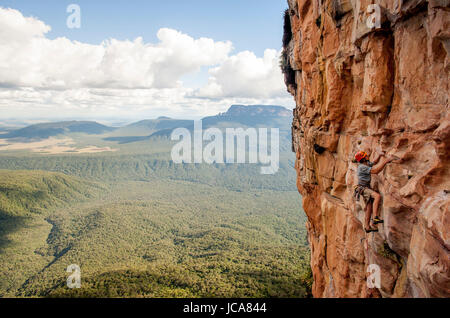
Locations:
column 139, row 225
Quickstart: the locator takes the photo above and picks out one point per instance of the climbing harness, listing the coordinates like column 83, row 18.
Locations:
column 358, row 192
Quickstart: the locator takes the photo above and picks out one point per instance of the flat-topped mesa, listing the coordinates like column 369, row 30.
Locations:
column 373, row 76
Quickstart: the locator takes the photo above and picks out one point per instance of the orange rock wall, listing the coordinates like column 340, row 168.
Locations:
column 382, row 88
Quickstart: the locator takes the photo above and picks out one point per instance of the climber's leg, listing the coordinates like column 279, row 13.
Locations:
column 376, row 197
column 367, row 197
column 376, row 202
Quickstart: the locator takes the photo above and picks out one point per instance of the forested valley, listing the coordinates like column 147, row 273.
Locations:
column 139, row 225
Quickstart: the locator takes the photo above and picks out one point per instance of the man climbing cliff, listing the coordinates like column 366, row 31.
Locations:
column 369, row 198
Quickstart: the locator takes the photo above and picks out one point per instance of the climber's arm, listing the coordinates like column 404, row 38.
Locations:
column 377, row 159
column 380, row 166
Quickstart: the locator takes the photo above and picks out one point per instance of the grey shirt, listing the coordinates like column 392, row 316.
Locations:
column 363, row 173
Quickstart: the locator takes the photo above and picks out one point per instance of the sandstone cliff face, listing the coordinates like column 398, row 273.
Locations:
column 382, row 88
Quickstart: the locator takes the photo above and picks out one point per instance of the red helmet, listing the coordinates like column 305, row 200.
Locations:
column 360, row 155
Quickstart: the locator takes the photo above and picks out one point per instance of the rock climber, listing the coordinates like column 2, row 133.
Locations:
column 369, row 198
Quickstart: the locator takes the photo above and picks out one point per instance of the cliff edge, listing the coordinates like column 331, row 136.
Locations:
column 373, row 76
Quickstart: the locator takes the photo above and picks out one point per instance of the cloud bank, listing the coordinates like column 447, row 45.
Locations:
column 38, row 74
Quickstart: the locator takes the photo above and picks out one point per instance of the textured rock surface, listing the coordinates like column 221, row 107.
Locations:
column 381, row 88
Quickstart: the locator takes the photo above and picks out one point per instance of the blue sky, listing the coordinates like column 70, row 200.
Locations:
column 195, row 57
column 253, row 25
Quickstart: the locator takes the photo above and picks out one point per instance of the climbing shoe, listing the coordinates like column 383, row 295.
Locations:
column 377, row 220
column 371, row 230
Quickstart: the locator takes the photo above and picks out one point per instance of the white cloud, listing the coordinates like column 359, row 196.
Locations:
column 15, row 27
column 246, row 75
column 124, row 103
column 41, row 76
column 29, row 59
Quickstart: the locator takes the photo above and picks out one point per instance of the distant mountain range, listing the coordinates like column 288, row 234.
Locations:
column 256, row 111
column 236, row 116
column 161, row 123
column 251, row 116
column 47, row 130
